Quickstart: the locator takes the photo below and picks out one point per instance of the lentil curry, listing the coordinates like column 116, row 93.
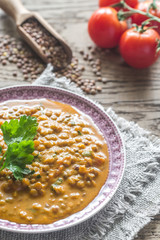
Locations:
column 70, row 165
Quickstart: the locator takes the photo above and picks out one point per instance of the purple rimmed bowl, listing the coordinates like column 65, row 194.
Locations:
column 115, row 147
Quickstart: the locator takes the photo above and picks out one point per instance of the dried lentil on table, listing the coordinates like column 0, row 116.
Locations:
column 17, row 52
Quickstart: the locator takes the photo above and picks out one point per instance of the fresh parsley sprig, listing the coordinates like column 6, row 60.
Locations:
column 18, row 135
column 19, row 130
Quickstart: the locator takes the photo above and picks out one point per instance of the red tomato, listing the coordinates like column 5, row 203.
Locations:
column 106, row 3
column 105, row 29
column 139, row 49
column 143, row 6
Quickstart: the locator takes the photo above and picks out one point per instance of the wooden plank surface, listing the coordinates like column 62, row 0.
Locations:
column 133, row 94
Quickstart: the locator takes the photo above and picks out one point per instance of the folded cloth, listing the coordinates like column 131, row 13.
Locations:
column 137, row 199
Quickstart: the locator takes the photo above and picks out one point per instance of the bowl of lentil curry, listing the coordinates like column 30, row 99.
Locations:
column 75, row 167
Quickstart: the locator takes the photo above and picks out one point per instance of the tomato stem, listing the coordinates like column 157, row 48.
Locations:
column 142, row 28
column 153, row 5
column 158, row 46
column 124, row 15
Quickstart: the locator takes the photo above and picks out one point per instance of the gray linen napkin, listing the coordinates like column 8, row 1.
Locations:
column 138, row 197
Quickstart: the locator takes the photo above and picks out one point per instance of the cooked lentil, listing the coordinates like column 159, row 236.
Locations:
column 68, row 170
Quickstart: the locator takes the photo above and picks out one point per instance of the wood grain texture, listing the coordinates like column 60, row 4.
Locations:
column 133, row 94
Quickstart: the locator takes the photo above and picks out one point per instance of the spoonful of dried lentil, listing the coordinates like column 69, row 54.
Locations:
column 41, row 37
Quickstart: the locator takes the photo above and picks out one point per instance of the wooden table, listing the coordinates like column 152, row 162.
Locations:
column 133, row 94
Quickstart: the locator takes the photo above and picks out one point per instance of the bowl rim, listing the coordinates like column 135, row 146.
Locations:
column 9, row 229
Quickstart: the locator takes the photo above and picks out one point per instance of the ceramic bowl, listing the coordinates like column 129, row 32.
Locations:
column 113, row 139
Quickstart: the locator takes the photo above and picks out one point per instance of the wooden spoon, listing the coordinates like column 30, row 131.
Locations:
column 20, row 14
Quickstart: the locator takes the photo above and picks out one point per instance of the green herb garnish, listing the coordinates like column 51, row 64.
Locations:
column 19, row 135
column 79, row 133
column 87, row 153
column 56, row 183
column 32, row 210
column 32, row 172
column 18, row 131
column 38, row 176
column 37, row 158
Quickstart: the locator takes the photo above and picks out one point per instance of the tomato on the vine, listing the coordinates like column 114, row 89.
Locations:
column 139, row 48
column 143, row 6
column 104, row 27
column 106, row 3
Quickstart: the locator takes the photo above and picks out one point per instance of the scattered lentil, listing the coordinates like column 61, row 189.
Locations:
column 31, row 66
column 104, row 80
column 14, row 74
column 18, row 53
